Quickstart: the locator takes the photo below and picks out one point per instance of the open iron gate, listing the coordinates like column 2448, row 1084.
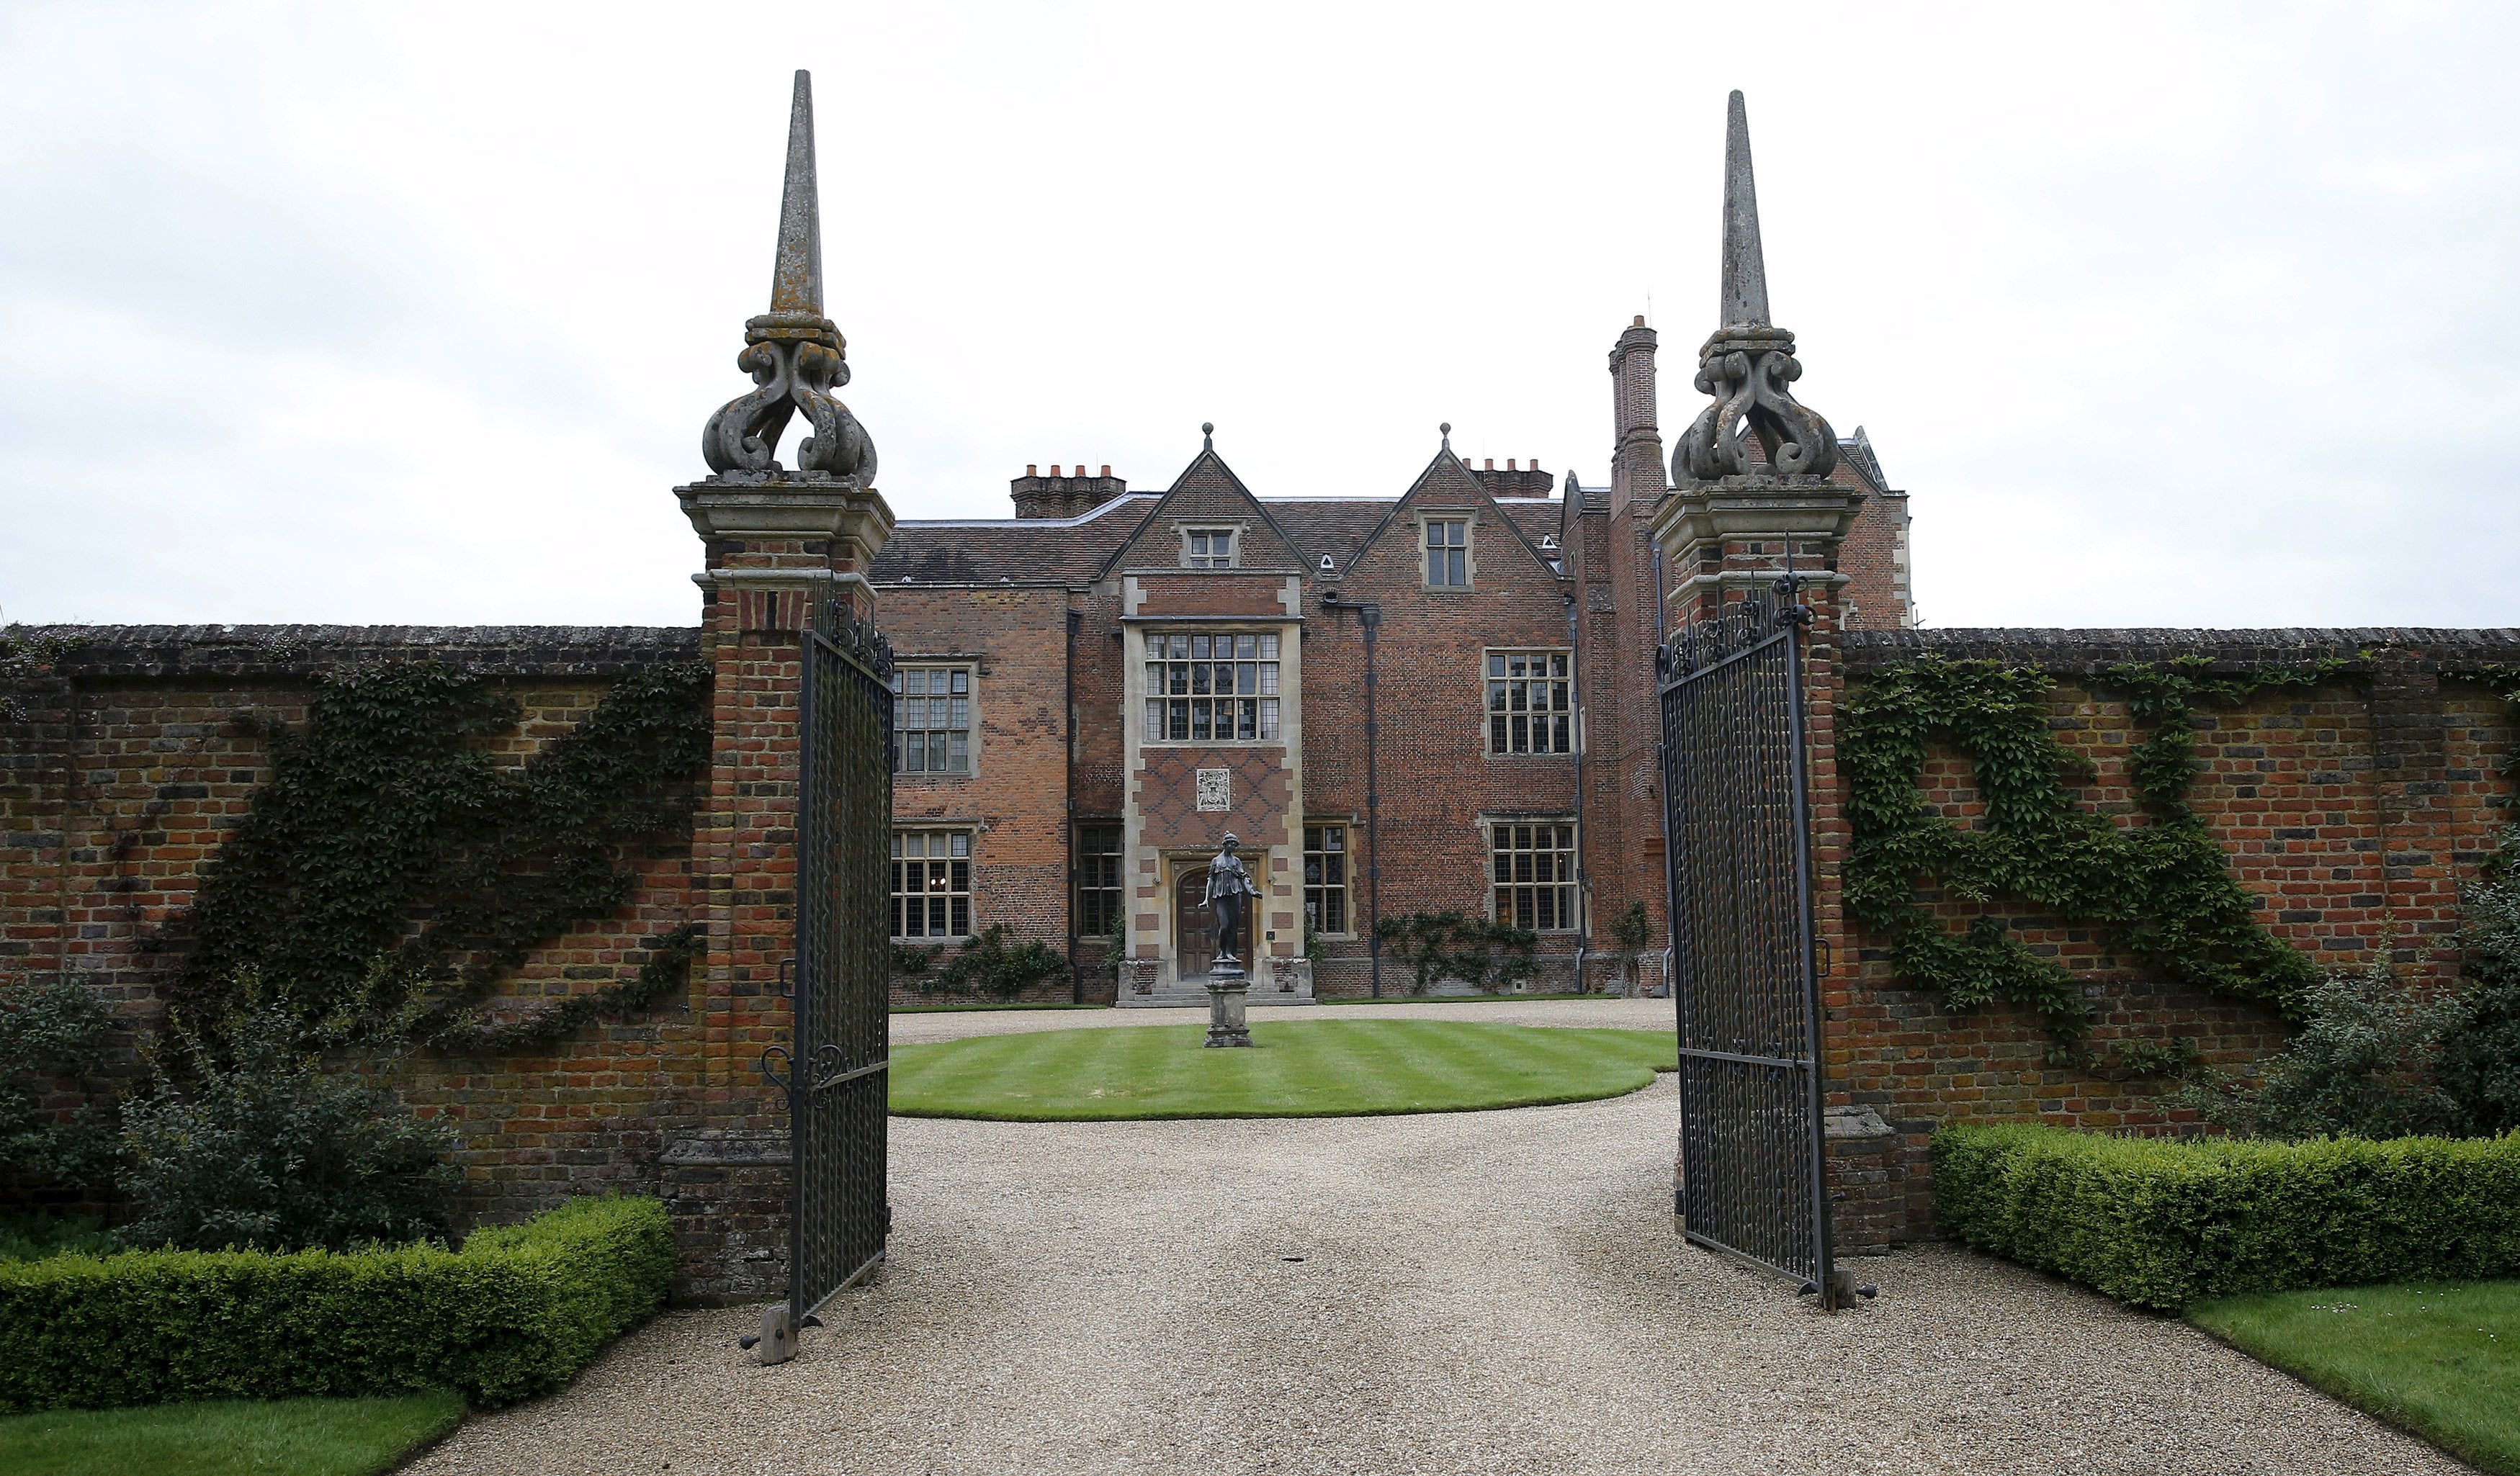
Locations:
column 835, row 1070
column 1737, row 832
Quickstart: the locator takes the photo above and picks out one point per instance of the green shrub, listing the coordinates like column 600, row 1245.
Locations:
column 2162, row 1222
column 2365, row 1064
column 991, row 967
column 513, row 1315
column 249, row 1140
column 53, row 1038
column 31, row 1237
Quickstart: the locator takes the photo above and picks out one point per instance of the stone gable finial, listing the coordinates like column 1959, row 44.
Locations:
column 1748, row 364
column 795, row 354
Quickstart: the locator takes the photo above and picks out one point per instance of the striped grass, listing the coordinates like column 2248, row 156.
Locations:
column 1311, row 1068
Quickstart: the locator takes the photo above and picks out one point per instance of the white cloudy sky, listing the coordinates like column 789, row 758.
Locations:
column 2165, row 315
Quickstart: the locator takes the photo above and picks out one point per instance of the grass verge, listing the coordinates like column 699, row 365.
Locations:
column 1309, row 1068
column 1453, row 999
column 2443, row 1362
column 964, row 1008
column 282, row 1437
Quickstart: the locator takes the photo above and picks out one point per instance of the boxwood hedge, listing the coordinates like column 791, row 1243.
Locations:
column 2165, row 1222
column 513, row 1313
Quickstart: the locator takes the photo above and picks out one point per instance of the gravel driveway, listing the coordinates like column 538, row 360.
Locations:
column 1476, row 1292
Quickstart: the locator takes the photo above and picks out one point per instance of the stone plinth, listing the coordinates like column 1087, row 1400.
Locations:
column 1225, row 1022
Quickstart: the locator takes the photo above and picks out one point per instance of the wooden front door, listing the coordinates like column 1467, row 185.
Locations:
column 1194, row 925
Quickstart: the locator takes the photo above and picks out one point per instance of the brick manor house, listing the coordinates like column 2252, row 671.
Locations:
column 1424, row 699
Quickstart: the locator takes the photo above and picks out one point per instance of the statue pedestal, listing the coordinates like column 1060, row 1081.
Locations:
column 1225, row 1022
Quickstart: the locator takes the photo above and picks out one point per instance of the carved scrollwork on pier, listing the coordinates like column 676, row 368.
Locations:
column 796, row 360
column 1751, row 371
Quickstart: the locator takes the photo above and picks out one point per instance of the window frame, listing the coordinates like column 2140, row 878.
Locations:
column 1428, row 522
column 1089, row 864
column 1490, row 714
column 1568, row 904
column 971, row 729
column 1316, row 831
column 1232, row 531
column 967, row 893
column 1179, row 709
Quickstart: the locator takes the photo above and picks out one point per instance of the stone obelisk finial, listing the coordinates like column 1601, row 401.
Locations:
column 795, row 354
column 1748, row 366
column 1745, row 269
column 796, row 278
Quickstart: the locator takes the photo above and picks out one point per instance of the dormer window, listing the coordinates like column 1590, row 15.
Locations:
column 1208, row 549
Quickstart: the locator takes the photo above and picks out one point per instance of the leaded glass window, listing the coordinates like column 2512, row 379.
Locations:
column 1098, row 879
column 1212, row 689
column 931, row 884
column 1530, row 702
column 1209, row 549
column 1448, row 554
column 931, row 720
column 1326, row 877
column 1532, row 871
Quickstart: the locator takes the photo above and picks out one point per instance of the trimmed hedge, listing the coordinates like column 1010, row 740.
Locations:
column 2165, row 1222
column 516, row 1312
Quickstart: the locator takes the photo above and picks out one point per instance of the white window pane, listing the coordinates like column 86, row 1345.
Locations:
column 1269, row 646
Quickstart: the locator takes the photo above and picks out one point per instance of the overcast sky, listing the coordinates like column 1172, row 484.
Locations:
column 2164, row 316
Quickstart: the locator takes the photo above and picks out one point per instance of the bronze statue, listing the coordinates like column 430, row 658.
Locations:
column 1229, row 887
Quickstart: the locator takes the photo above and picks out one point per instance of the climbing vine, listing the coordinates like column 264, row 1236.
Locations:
column 2159, row 890
column 395, row 869
column 1485, row 955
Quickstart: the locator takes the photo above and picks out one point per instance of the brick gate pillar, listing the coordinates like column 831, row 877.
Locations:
column 1754, row 494
column 778, row 544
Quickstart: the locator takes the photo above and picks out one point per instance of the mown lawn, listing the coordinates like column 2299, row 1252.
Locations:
column 283, row 1437
column 2443, row 1362
column 1311, row 1068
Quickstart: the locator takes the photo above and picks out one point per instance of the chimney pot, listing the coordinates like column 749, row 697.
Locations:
column 1640, row 321
column 1508, row 464
column 1490, row 466
column 1054, row 468
column 1106, row 468
column 1033, row 468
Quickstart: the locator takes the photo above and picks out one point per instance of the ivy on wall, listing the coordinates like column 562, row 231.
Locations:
column 394, row 869
column 2159, row 890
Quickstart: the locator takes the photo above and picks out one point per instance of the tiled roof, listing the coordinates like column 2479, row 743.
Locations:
column 1073, row 549
column 1022, row 550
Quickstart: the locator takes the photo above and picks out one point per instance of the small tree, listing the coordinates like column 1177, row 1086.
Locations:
column 1450, row 944
column 2481, row 1059
column 1630, row 932
column 248, row 1139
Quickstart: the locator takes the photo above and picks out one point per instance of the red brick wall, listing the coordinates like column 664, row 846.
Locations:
column 143, row 760
column 1014, row 798
column 2354, row 811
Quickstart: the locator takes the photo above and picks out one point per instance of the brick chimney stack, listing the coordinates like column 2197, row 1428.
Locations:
column 1059, row 495
column 1636, row 458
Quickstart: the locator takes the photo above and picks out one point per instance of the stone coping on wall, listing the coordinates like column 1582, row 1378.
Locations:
column 2091, row 651
column 286, row 650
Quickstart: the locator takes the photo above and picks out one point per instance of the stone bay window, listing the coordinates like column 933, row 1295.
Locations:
column 1214, row 688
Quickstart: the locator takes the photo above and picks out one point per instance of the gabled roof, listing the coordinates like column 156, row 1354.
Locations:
column 1448, row 469
column 1207, row 475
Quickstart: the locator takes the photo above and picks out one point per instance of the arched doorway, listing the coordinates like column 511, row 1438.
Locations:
column 1193, row 925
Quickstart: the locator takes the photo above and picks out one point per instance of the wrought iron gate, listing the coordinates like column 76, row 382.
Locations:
column 1736, row 850
column 836, row 1072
